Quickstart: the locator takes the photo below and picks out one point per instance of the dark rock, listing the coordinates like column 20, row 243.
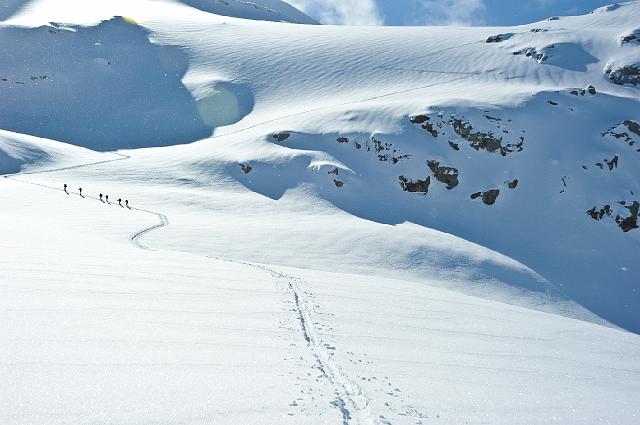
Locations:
column 342, row 140
column 447, row 175
column 418, row 186
column 455, row 146
column 334, row 171
column 631, row 222
column 551, row 102
column 246, row 168
column 499, row 38
column 628, row 74
column 487, row 141
column 591, row 90
column 419, row 119
column 430, row 129
column 281, row 137
column 513, row 184
column 476, row 195
column 634, row 37
column 613, row 163
column 489, row 197
column 338, row 183
column 396, row 159
column 633, row 127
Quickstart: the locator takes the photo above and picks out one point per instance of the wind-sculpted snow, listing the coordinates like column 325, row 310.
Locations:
column 373, row 225
column 106, row 87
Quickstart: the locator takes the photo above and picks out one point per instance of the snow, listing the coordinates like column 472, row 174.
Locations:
column 271, row 269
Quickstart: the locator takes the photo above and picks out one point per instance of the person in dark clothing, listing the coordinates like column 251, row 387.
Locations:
column 106, row 197
column 101, row 198
column 126, row 202
column 120, row 201
column 65, row 189
column 80, row 191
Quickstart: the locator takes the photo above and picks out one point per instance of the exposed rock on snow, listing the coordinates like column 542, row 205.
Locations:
column 626, row 224
column 281, row 137
column 532, row 52
column 490, row 196
column 627, row 74
column 418, row 186
column 246, row 168
column 581, row 92
column 499, row 37
column 485, row 141
column 446, row 175
column 632, row 38
column 628, row 131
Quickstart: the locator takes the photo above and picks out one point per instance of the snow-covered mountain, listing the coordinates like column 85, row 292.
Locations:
column 351, row 215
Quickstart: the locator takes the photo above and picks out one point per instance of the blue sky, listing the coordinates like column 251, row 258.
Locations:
column 442, row 12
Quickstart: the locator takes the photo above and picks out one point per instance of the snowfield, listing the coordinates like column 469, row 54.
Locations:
column 350, row 225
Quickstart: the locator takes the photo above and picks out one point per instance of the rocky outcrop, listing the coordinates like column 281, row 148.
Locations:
column 338, row 183
column 628, row 74
column 587, row 90
column 490, row 196
column 498, row 38
column 246, row 168
column 282, row 136
column 628, row 131
column 423, row 120
column 531, row 52
column 418, row 186
column 631, row 38
column 629, row 223
column 485, row 141
column 342, row 140
column 625, row 224
column 512, row 184
column 446, row 175
column 612, row 163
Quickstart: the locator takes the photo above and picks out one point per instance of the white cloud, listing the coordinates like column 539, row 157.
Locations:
column 341, row 12
column 448, row 12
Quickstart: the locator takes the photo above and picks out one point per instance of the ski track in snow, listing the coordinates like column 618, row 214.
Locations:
column 135, row 238
column 351, row 400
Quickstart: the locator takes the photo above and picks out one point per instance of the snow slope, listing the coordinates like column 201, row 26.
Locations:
column 120, row 334
column 383, row 225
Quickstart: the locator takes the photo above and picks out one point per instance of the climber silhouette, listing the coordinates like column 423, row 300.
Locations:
column 120, row 202
column 101, row 198
column 80, row 191
column 106, row 197
column 65, row 189
column 126, row 202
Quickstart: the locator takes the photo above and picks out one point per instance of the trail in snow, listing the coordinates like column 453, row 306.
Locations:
column 135, row 238
column 351, row 399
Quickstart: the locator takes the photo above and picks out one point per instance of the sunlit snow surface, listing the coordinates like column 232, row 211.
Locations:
column 245, row 285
